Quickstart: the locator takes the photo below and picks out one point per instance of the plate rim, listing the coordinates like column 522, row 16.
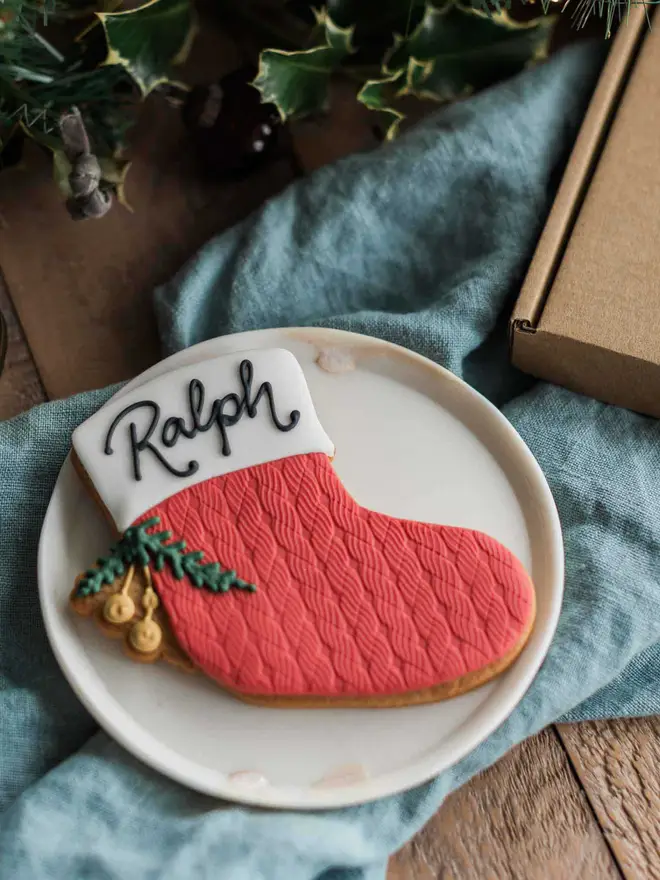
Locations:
column 280, row 797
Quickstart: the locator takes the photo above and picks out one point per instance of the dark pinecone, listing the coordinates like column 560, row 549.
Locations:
column 232, row 131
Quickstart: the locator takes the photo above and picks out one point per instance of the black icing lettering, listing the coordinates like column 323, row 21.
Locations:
column 140, row 444
column 226, row 420
column 174, row 427
column 246, row 372
column 171, row 431
column 196, row 401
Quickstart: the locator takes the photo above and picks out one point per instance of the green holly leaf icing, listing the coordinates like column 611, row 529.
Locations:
column 138, row 546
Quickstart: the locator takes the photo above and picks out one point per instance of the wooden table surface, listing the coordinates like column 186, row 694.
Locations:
column 574, row 801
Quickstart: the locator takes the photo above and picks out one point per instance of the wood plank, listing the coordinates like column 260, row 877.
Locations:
column 20, row 386
column 526, row 817
column 617, row 762
column 83, row 290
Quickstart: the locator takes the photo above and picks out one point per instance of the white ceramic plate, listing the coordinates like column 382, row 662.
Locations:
column 469, row 468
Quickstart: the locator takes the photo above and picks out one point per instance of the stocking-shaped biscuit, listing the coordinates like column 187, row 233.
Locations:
column 241, row 554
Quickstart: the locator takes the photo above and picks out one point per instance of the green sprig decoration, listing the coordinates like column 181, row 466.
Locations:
column 138, row 546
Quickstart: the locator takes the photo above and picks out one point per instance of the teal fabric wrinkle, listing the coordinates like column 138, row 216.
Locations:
column 424, row 243
column 42, row 722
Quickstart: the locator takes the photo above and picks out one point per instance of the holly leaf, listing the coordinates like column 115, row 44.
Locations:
column 375, row 21
column 458, row 49
column 378, row 95
column 297, row 82
column 149, row 40
column 395, row 14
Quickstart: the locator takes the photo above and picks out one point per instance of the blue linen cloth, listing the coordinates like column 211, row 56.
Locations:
column 423, row 243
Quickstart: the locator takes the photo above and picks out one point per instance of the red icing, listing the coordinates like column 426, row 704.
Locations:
column 349, row 602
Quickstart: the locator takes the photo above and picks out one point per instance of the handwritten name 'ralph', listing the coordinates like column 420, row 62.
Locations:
column 225, row 412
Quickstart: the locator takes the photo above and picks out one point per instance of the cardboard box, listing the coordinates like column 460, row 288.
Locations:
column 588, row 316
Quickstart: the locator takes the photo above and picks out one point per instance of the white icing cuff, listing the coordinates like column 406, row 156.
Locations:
column 195, row 423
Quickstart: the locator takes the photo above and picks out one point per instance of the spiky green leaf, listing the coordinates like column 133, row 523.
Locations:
column 378, row 95
column 375, row 21
column 297, row 82
column 149, row 40
column 376, row 16
column 457, row 49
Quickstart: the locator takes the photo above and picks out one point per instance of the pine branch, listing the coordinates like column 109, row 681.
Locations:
column 38, row 82
column 138, row 546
